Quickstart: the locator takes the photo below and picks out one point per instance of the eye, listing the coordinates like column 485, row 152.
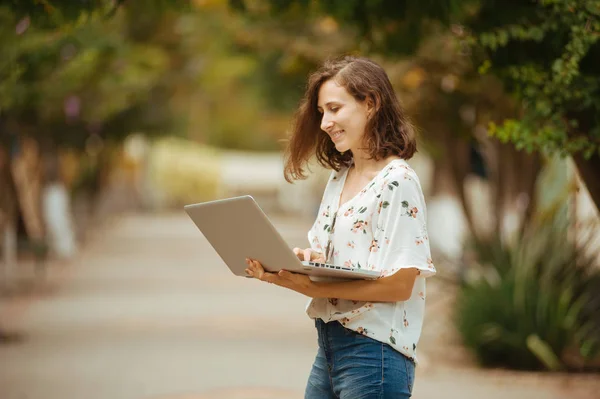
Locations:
column 334, row 109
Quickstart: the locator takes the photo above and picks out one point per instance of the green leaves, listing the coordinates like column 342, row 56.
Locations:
column 550, row 136
column 390, row 26
column 532, row 300
column 559, row 104
column 543, row 352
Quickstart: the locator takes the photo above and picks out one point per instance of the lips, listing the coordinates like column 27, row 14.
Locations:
column 335, row 136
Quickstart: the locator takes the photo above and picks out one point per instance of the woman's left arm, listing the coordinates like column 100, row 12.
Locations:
column 394, row 288
column 397, row 287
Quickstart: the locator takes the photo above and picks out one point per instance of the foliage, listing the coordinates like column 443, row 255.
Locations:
column 56, row 13
column 534, row 303
column 381, row 26
column 441, row 90
column 451, row 104
column 547, row 53
column 226, row 110
column 152, row 67
column 65, row 77
column 250, row 72
column 52, row 14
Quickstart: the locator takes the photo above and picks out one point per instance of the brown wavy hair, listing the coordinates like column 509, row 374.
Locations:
column 388, row 131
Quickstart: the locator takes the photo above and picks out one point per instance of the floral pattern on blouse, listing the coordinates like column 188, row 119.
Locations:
column 382, row 228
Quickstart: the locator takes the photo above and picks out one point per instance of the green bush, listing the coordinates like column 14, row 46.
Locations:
column 534, row 304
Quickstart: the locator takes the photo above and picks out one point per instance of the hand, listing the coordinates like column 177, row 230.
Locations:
column 309, row 254
column 294, row 281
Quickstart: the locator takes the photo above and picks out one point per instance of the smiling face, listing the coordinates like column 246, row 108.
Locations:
column 360, row 114
column 343, row 117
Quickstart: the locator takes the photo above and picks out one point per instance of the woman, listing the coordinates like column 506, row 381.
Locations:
column 372, row 215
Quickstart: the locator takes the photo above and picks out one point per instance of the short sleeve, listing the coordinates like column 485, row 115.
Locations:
column 400, row 227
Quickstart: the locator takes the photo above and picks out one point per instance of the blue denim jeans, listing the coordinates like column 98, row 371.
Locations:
column 352, row 366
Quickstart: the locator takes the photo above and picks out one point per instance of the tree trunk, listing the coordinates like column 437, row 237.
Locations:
column 459, row 169
column 26, row 175
column 8, row 212
column 589, row 170
column 532, row 166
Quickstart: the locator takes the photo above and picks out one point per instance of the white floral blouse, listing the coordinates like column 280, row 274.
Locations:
column 382, row 228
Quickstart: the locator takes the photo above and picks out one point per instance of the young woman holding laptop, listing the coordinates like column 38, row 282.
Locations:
column 372, row 216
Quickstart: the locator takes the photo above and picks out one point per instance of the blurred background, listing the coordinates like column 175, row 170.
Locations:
column 114, row 114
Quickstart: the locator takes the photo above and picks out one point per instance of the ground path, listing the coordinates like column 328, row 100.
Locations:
column 148, row 310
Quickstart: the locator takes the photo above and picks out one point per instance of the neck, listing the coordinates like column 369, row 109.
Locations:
column 363, row 165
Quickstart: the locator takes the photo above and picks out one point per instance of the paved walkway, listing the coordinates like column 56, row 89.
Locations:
column 148, row 310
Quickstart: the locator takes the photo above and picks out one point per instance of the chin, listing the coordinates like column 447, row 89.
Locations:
column 341, row 147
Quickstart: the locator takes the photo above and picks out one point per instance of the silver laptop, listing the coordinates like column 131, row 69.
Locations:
column 238, row 229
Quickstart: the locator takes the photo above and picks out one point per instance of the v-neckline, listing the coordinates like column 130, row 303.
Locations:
column 342, row 185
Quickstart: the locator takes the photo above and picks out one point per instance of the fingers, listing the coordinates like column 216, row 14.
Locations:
column 299, row 252
column 307, row 254
column 319, row 257
column 282, row 278
column 255, row 269
column 316, row 256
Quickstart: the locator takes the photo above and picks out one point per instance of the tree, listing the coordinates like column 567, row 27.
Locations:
column 451, row 104
column 76, row 74
column 77, row 66
column 545, row 52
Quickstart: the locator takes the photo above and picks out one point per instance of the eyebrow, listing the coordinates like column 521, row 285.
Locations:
column 328, row 103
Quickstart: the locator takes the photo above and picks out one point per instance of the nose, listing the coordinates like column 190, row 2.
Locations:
column 326, row 122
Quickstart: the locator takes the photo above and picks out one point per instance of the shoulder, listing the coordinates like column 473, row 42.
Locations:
column 401, row 187
column 400, row 174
